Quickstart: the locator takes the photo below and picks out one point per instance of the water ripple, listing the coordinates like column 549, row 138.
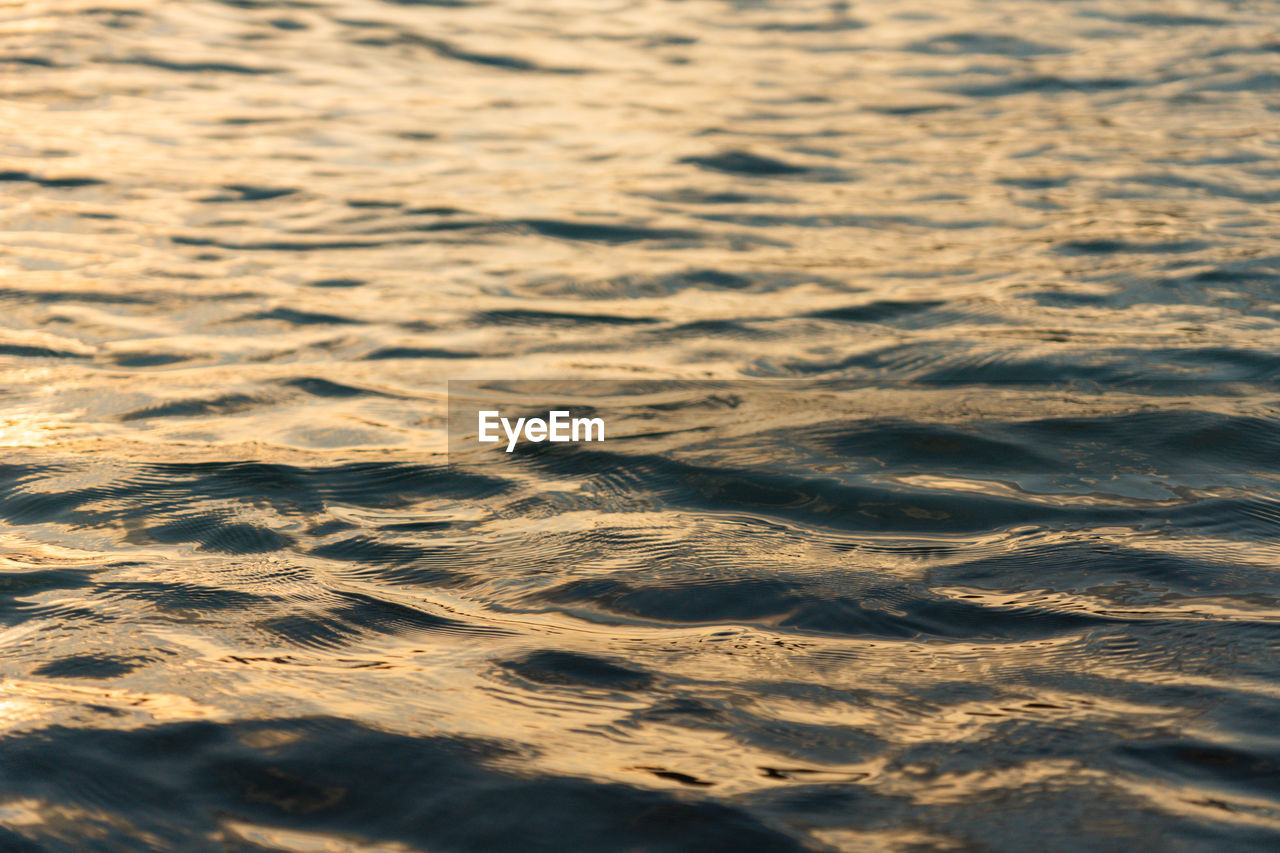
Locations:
column 997, row 572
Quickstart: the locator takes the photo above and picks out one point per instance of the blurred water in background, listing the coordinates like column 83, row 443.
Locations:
column 1013, row 585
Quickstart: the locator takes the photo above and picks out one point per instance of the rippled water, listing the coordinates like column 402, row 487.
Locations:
column 978, row 552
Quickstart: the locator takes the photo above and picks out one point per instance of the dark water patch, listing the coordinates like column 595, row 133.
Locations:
column 572, row 669
column 1248, row 519
column 981, row 368
column 373, row 204
column 287, row 489
column 249, row 192
column 18, row 176
column 1119, row 575
column 318, row 387
column 1172, row 180
column 419, row 565
column 799, row 606
column 148, row 359
column 1069, row 299
column 556, row 319
column 20, row 503
column 1179, row 438
column 1043, row 84
column 21, row 591
column 1216, row 363
column 379, row 484
column 706, row 329
column 709, row 278
column 1043, row 182
column 676, row 776
column 480, row 225
column 908, row 109
column 225, row 404
column 693, row 195
column 1169, row 19
column 23, row 583
column 435, row 210
column 844, row 220
column 313, row 629
column 448, row 50
column 751, row 280
column 930, row 616
column 288, row 24
column 372, row 613
column 1246, row 273
column 15, row 843
column 298, row 318
column 841, row 24
column 1231, row 768
column 90, row 666
column 1240, row 82
column 384, row 353
column 214, row 532
column 292, row 490
column 905, row 445
column 1244, row 50
column 330, row 527
column 602, row 232
column 511, row 63
column 315, row 244
column 37, row 61
column 746, row 163
column 692, row 601
column 1119, row 366
column 185, row 598
column 196, row 67
column 174, row 495
column 997, row 44
column 337, row 282
column 1113, row 246
column 419, row 326
column 876, row 312
column 685, row 711
column 24, row 351
column 180, row 781
column 356, row 617
column 418, row 527
column 250, row 121
column 270, row 4
column 821, row 501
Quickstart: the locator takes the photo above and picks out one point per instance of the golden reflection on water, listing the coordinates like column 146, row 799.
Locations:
column 244, row 246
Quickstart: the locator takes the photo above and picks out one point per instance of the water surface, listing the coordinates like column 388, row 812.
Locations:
column 1010, row 584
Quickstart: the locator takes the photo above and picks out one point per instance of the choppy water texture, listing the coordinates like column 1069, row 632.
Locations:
column 1012, row 587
